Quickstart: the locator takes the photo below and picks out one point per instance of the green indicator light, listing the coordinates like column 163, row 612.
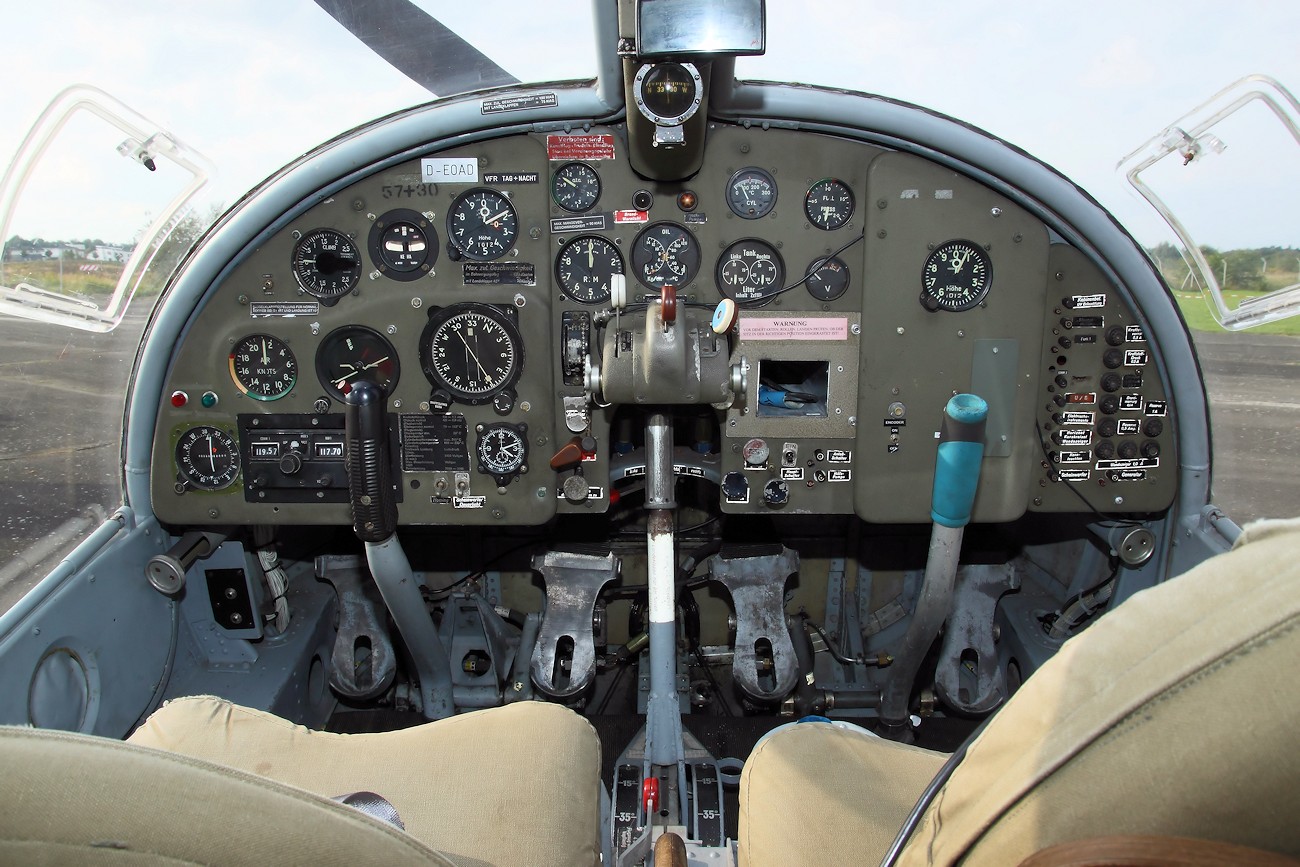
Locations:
column 209, row 399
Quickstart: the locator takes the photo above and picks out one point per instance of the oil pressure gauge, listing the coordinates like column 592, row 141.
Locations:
column 957, row 276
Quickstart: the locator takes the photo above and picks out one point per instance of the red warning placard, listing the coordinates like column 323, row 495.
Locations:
column 593, row 146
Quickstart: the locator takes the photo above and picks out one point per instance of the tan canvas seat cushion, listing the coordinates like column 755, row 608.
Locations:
column 508, row 786
column 75, row 799
column 1171, row 715
column 817, row 794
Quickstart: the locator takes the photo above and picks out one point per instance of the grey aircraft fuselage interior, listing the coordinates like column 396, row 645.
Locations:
column 566, row 392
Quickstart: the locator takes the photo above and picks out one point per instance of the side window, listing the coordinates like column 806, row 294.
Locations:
column 93, row 217
column 1221, row 178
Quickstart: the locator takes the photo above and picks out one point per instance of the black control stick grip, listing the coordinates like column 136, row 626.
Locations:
column 370, row 489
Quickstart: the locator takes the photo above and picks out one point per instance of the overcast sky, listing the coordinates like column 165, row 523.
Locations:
column 252, row 83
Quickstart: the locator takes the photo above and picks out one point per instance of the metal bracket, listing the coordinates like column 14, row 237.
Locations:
column 364, row 663
column 974, row 685
column 573, row 583
column 757, row 588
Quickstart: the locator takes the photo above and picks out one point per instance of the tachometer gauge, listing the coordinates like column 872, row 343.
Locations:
column 575, row 187
column 263, row 367
column 482, row 224
column 584, row 268
column 665, row 254
column 828, row 279
column 751, row 193
column 957, row 276
column 750, row 271
column 829, row 204
column 352, row 353
column 326, row 263
column 502, row 450
column 403, row 244
column 472, row 351
column 207, row 458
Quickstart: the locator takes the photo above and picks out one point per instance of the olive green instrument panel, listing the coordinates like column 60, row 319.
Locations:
column 471, row 284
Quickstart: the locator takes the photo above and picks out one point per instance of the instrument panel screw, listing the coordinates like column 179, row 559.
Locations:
column 535, row 233
column 855, row 328
column 213, row 513
column 360, row 205
column 392, row 329
column 995, row 212
column 417, row 303
column 243, row 299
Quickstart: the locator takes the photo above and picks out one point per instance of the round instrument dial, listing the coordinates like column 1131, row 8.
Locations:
column 751, row 272
column 575, row 187
column 403, row 244
column 751, row 193
column 829, row 204
column 665, row 254
column 352, row 353
column 668, row 93
column 502, row 450
column 584, row 268
column 263, row 367
column 472, row 351
column 828, row 279
column 482, row 224
column 957, row 276
column 326, row 263
column 207, row 458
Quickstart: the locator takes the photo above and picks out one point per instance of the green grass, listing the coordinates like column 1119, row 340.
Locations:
column 74, row 281
column 1199, row 318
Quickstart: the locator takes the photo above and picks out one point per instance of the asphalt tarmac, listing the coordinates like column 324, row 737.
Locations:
column 60, row 472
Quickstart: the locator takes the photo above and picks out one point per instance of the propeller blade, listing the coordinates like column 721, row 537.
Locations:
column 418, row 45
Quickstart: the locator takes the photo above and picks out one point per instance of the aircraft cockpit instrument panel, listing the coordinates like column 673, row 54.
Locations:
column 864, row 287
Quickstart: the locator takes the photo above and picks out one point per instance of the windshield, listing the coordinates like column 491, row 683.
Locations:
column 254, row 85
